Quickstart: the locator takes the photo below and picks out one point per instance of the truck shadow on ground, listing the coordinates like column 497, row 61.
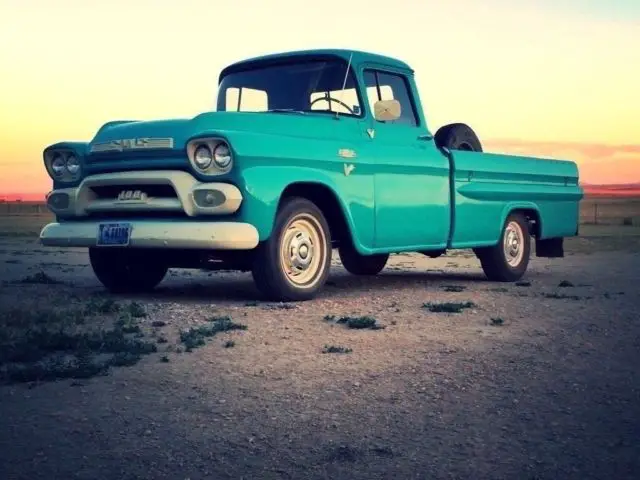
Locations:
column 240, row 287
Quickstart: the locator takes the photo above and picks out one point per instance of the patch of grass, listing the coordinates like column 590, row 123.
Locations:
column 47, row 345
column 229, row 344
column 454, row 288
column 523, row 284
column 196, row 336
column 40, row 278
column 497, row 321
column 565, row 284
column 336, row 349
column 251, row 304
column 448, row 307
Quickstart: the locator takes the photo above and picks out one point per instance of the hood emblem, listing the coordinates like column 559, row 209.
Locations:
column 123, row 144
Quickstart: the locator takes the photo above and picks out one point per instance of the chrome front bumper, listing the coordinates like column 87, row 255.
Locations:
column 157, row 234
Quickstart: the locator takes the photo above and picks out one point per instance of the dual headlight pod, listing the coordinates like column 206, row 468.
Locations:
column 63, row 165
column 210, row 155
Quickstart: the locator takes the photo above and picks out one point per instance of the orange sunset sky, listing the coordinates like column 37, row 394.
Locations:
column 542, row 77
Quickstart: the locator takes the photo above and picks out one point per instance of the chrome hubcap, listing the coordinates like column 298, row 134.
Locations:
column 303, row 251
column 513, row 244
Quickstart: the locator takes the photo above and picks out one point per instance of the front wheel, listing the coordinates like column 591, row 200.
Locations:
column 127, row 270
column 294, row 263
column 508, row 260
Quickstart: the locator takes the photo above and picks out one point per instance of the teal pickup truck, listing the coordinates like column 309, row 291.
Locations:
column 307, row 151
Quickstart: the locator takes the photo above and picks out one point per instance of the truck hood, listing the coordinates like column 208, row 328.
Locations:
column 266, row 123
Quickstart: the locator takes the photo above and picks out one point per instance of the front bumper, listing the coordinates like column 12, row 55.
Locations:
column 158, row 234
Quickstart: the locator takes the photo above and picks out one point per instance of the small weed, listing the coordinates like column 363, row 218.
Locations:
column 360, row 323
column 229, row 344
column 560, row 296
column 196, row 336
column 335, row 349
column 127, row 324
column 162, row 340
column 565, row 284
column 330, row 318
column 497, row 321
column 281, row 306
column 454, row 288
column 448, row 307
column 105, row 306
column 164, row 359
column 158, row 323
column 40, row 278
column 137, row 310
column 523, row 284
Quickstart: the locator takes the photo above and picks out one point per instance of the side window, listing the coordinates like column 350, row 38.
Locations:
column 389, row 86
column 245, row 100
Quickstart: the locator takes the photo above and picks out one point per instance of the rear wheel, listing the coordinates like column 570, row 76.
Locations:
column 127, row 270
column 508, row 260
column 358, row 264
column 294, row 263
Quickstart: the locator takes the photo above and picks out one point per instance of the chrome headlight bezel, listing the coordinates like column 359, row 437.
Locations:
column 66, row 174
column 215, row 167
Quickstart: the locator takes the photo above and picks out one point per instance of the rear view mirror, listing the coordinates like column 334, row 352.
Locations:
column 387, row 110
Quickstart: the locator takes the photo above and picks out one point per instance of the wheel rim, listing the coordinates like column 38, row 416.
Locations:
column 513, row 244
column 303, row 251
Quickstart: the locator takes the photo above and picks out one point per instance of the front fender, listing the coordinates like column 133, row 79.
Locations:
column 264, row 186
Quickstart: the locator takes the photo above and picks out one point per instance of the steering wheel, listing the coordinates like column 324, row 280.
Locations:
column 329, row 99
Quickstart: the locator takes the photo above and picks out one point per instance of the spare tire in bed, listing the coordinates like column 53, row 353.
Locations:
column 458, row 136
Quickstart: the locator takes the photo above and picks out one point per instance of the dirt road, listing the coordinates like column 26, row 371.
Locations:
column 530, row 381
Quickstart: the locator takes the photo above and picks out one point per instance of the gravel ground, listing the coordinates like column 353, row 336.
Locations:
column 548, row 389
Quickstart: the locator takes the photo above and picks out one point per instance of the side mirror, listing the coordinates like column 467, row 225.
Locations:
column 387, row 110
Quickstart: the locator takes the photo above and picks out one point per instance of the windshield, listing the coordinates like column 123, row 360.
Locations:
column 303, row 86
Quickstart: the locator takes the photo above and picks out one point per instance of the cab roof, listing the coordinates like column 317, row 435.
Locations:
column 359, row 57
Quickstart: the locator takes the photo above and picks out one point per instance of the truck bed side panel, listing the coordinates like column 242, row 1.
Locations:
column 487, row 187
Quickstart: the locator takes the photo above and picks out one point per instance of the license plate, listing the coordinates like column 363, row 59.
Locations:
column 110, row 234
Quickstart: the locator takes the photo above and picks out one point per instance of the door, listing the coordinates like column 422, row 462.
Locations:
column 411, row 176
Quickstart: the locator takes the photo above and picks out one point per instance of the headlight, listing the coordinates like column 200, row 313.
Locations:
column 222, row 155
column 202, row 157
column 73, row 165
column 58, row 165
column 210, row 155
